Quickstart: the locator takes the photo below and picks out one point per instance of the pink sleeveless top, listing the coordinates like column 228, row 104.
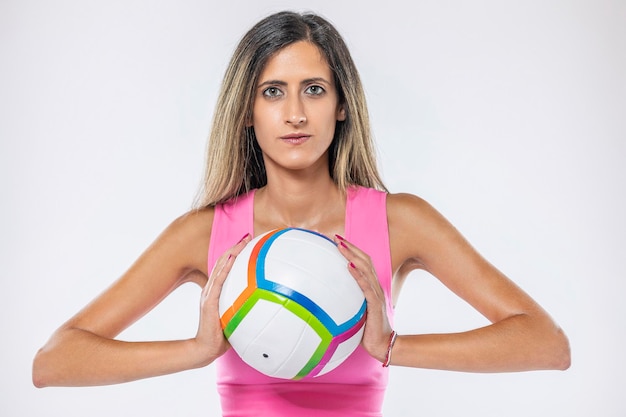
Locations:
column 355, row 388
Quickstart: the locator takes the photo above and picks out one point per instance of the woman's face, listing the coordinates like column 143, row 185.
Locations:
column 296, row 107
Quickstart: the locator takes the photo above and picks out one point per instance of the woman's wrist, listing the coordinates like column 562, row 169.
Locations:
column 390, row 345
column 199, row 353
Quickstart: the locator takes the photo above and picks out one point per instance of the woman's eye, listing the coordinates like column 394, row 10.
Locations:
column 272, row 92
column 315, row 90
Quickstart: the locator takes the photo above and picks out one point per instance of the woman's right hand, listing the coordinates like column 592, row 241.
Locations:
column 210, row 336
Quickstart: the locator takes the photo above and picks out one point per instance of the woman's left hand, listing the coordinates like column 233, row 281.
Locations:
column 377, row 327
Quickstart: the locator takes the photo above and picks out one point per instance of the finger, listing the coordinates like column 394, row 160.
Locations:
column 350, row 251
column 359, row 263
column 238, row 247
column 362, row 270
column 223, row 266
column 228, row 258
column 231, row 252
column 235, row 250
column 218, row 276
column 368, row 283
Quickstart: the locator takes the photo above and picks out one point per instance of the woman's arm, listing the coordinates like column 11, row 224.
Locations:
column 83, row 351
column 521, row 337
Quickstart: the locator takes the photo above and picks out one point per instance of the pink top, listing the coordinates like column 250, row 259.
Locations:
column 355, row 388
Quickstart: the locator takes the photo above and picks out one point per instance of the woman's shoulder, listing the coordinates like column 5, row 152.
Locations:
column 194, row 222
column 184, row 243
column 412, row 217
column 188, row 231
column 405, row 205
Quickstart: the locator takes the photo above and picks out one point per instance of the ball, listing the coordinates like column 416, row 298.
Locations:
column 289, row 307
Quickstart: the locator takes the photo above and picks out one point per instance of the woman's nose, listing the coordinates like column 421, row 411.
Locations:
column 295, row 114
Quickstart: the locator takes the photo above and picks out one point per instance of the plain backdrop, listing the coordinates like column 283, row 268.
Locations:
column 507, row 116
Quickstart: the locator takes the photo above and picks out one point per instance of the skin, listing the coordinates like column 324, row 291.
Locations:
column 294, row 115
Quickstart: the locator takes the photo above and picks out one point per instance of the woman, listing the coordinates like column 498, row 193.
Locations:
column 290, row 146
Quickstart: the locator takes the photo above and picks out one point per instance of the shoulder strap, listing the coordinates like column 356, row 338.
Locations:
column 231, row 221
column 366, row 226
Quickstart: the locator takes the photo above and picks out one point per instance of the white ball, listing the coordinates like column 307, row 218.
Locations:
column 289, row 307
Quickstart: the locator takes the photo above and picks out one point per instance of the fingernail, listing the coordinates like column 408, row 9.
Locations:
column 353, row 266
column 344, row 245
column 244, row 236
column 340, row 237
column 229, row 256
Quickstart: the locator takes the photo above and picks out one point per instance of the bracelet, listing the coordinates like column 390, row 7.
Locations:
column 392, row 341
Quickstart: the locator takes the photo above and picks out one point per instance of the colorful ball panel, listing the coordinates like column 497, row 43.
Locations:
column 256, row 338
column 314, row 274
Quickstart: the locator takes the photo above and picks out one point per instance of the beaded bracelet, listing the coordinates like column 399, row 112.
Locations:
column 392, row 341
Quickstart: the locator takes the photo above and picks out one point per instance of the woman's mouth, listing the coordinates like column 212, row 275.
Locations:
column 295, row 138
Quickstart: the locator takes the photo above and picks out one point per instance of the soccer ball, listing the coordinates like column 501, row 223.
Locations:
column 289, row 307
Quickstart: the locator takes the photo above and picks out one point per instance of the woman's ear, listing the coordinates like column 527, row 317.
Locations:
column 341, row 113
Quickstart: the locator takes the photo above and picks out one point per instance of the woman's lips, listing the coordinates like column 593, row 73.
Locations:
column 295, row 138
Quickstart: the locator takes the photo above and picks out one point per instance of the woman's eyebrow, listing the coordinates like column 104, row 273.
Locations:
column 272, row 82
column 303, row 82
column 315, row 80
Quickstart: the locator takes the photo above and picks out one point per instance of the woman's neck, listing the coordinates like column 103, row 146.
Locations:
column 313, row 204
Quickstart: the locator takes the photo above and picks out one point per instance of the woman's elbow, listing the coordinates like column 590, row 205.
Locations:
column 48, row 364
column 555, row 350
column 39, row 375
column 563, row 354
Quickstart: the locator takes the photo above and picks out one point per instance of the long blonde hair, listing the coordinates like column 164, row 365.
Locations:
column 234, row 160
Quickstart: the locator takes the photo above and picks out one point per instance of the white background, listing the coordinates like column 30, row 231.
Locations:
column 509, row 117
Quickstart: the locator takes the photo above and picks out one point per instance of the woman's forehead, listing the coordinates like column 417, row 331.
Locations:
column 300, row 60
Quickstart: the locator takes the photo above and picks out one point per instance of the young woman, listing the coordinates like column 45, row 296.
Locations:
column 290, row 146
